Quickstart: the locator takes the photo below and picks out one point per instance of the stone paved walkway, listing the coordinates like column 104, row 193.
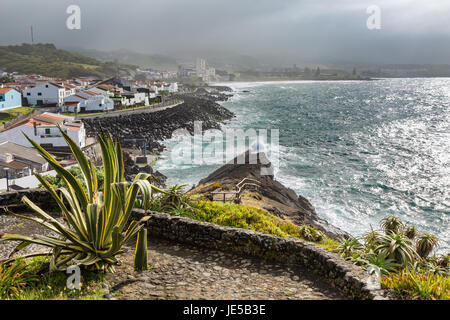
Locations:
column 183, row 272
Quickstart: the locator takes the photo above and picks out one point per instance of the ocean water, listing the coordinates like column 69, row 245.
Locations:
column 357, row 150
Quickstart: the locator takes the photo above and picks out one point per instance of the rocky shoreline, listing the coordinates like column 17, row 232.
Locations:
column 268, row 194
column 158, row 126
column 202, row 105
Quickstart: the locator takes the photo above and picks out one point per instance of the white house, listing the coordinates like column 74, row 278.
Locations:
column 19, row 161
column 134, row 98
column 45, row 93
column 9, row 98
column 173, row 87
column 43, row 129
column 88, row 100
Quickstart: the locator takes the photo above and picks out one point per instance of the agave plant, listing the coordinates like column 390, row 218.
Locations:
column 444, row 261
column 425, row 244
column 174, row 197
column 349, row 246
column 381, row 265
column 14, row 277
column 311, row 234
column 398, row 247
column 410, row 232
column 96, row 223
column 372, row 239
column 433, row 267
column 391, row 224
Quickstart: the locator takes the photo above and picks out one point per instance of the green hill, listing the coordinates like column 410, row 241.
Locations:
column 47, row 60
column 151, row 61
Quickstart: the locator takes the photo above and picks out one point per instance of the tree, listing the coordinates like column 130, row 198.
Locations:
column 6, row 79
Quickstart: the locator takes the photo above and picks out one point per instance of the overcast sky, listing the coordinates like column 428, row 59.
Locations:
column 412, row 31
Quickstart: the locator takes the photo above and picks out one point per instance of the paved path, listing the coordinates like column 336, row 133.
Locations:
column 125, row 112
column 183, row 272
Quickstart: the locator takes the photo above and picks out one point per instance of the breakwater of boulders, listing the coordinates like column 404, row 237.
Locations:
column 155, row 127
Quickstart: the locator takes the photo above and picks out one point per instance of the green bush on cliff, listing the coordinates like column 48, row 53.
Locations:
column 245, row 217
column 175, row 202
column 418, row 286
column 402, row 257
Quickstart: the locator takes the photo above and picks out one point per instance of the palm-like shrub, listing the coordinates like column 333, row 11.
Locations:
column 391, row 224
column 349, row 246
column 14, row 277
column 96, row 223
column 398, row 247
column 372, row 239
column 410, row 232
column 381, row 265
column 311, row 234
column 415, row 285
column 174, row 197
column 425, row 244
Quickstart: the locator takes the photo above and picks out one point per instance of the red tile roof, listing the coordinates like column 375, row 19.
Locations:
column 4, row 90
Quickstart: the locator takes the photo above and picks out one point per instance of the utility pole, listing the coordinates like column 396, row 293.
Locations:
column 32, row 35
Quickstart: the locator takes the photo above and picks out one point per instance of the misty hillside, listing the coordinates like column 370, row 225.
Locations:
column 154, row 61
column 47, row 60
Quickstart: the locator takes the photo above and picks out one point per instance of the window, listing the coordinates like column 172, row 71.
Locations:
column 47, row 131
column 46, row 85
column 39, row 93
column 28, row 94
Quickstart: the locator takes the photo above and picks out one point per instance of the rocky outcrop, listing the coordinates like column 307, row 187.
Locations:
column 132, row 169
column 158, row 126
column 271, row 195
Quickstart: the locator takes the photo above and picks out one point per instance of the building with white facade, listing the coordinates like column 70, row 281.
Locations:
column 43, row 129
column 18, row 161
column 88, row 101
column 45, row 93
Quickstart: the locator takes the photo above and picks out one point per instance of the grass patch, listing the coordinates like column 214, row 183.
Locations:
column 251, row 218
column 31, row 281
column 418, row 286
column 11, row 114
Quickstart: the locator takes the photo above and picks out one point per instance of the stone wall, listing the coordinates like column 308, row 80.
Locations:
column 351, row 279
column 13, row 200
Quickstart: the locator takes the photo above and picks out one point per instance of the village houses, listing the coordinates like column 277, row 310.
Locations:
column 9, row 99
column 43, row 129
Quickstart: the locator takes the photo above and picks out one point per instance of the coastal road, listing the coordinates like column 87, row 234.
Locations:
column 149, row 109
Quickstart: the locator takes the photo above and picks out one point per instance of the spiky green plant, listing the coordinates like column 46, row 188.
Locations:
column 391, row 224
column 444, row 261
column 433, row 267
column 14, row 277
column 348, row 247
column 425, row 244
column 410, row 232
column 310, row 233
column 372, row 239
column 381, row 265
column 96, row 223
column 174, row 197
column 414, row 285
column 398, row 247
